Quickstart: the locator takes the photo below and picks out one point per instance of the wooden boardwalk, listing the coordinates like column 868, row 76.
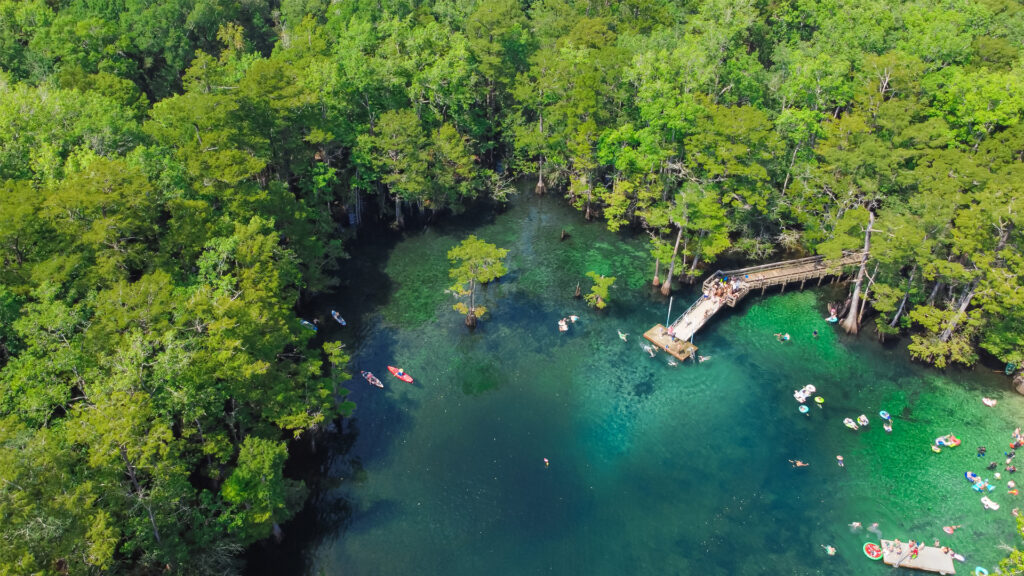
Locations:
column 753, row 278
column 929, row 558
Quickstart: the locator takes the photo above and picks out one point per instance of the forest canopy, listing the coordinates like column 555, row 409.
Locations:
column 176, row 175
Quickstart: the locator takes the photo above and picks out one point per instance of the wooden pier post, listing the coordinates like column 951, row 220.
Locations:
column 820, row 278
column 802, row 283
column 783, row 291
column 763, row 288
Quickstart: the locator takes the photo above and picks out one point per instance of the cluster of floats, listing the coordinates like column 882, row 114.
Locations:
column 862, row 421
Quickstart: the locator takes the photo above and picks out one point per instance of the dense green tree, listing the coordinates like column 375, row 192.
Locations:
column 176, row 177
column 474, row 262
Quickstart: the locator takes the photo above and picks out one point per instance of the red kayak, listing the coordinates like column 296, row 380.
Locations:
column 400, row 374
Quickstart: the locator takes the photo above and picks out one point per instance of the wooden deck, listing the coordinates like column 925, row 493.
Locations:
column 752, row 278
column 681, row 349
column 929, row 558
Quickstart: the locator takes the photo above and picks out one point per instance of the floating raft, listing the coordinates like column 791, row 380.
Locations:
column 929, row 558
column 681, row 349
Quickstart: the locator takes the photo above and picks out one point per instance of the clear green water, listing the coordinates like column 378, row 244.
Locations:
column 653, row 469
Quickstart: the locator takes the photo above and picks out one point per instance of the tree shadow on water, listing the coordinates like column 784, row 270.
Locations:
column 325, row 514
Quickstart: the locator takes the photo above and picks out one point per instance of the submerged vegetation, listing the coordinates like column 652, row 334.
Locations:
column 175, row 175
column 598, row 296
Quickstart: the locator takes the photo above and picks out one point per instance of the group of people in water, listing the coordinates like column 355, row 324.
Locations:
column 563, row 324
column 1018, row 442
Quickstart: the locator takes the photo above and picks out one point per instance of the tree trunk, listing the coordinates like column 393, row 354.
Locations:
column 471, row 317
column 867, row 293
column 693, row 267
column 850, row 324
column 935, row 292
column 903, row 303
column 667, row 286
column 657, row 273
column 965, row 301
column 130, row 468
column 399, row 220
column 540, row 177
column 792, row 161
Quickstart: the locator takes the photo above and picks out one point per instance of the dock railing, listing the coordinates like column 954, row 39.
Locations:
column 672, row 326
column 797, row 264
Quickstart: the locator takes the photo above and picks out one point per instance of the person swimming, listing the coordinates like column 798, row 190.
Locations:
column 830, row 550
column 854, row 526
column 874, row 529
column 842, row 464
column 546, row 463
column 703, row 358
column 798, row 463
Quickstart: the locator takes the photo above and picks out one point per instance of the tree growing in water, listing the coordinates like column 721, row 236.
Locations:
column 598, row 297
column 476, row 262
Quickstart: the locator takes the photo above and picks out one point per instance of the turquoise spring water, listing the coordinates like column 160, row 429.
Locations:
column 653, row 469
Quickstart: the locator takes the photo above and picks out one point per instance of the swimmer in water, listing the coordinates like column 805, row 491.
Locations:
column 798, row 463
column 703, row 358
column 874, row 529
column 831, row 550
column 842, row 464
column 854, row 526
column 546, row 463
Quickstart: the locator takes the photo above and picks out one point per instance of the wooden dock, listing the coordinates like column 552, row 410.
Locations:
column 752, row 278
column 929, row 558
column 681, row 349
